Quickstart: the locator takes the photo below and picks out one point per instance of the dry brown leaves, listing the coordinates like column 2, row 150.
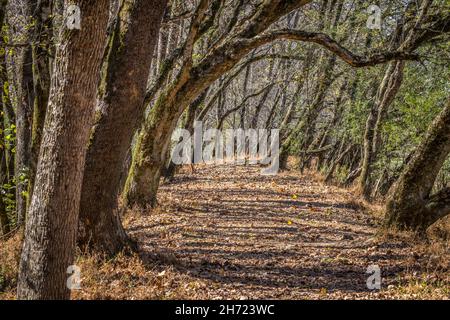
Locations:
column 231, row 233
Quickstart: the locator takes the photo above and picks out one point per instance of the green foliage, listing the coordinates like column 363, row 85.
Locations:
column 7, row 150
column 8, row 138
column 8, row 194
column 420, row 100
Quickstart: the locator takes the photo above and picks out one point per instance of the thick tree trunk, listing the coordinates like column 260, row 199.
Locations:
column 119, row 111
column 32, row 97
column 51, row 225
column 411, row 205
column 149, row 156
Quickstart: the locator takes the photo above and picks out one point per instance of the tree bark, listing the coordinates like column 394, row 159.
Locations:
column 170, row 167
column 411, row 205
column 119, row 111
column 4, row 221
column 387, row 91
column 41, row 82
column 24, row 115
column 51, row 226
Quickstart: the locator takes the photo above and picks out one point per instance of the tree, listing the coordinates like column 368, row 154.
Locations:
column 51, row 226
column 119, row 111
column 24, row 110
column 412, row 206
column 411, row 35
column 43, row 48
column 4, row 221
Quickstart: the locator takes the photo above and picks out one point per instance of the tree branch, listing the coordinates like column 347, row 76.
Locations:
column 332, row 46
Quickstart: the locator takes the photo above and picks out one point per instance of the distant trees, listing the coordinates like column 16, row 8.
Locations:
column 225, row 51
column 27, row 48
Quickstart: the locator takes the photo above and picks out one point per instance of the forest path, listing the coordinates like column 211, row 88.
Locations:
column 236, row 234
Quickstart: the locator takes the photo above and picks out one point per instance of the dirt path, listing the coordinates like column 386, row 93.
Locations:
column 235, row 234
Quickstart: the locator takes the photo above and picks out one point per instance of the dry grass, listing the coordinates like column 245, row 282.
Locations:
column 9, row 265
column 128, row 277
column 433, row 282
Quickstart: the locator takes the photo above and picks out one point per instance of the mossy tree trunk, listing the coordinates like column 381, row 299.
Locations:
column 41, row 81
column 386, row 94
column 24, row 116
column 118, row 113
column 411, row 205
column 149, row 156
column 4, row 221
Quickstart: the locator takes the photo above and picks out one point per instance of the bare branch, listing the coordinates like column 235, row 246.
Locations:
column 333, row 46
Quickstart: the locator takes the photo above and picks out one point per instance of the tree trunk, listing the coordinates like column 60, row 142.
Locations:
column 364, row 183
column 161, row 52
column 336, row 162
column 170, row 167
column 387, row 91
column 120, row 109
column 4, row 221
column 51, row 225
column 41, row 82
column 243, row 111
column 24, row 115
column 410, row 205
column 149, row 156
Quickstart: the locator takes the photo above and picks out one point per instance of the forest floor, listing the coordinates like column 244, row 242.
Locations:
column 231, row 233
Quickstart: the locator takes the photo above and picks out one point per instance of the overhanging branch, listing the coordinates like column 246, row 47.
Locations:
column 330, row 44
